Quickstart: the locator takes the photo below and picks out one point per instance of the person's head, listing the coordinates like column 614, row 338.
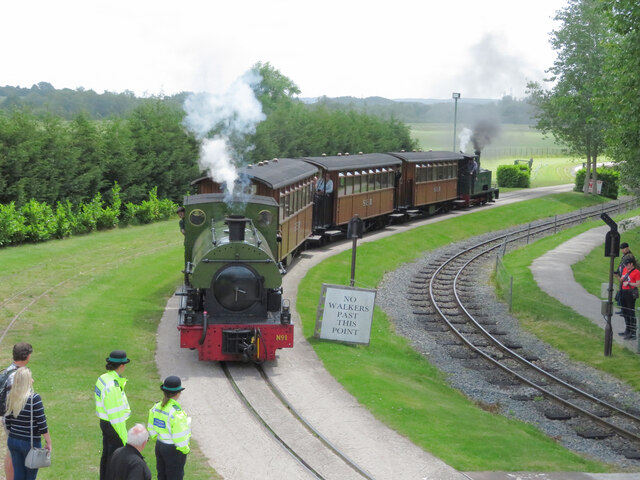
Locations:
column 117, row 360
column 630, row 261
column 22, row 351
column 180, row 212
column 624, row 246
column 171, row 387
column 138, row 436
column 21, row 390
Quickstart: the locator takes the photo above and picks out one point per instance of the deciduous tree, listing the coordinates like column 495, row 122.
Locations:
column 570, row 110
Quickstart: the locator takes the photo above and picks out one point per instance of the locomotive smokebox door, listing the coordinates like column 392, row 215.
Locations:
column 355, row 228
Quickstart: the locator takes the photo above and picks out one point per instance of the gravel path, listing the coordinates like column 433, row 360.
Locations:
column 391, row 298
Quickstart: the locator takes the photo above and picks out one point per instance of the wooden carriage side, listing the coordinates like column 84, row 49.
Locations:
column 428, row 178
column 361, row 184
column 291, row 183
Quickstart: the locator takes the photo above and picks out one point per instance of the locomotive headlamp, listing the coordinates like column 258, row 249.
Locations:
column 285, row 314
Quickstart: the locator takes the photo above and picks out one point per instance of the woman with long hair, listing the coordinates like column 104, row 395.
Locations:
column 25, row 422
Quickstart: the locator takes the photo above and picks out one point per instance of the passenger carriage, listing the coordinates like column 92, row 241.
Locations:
column 350, row 185
column 429, row 181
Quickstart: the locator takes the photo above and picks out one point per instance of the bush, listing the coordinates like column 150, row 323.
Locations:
column 610, row 181
column 150, row 210
column 12, row 228
column 66, row 222
column 36, row 222
column 515, row 176
column 39, row 220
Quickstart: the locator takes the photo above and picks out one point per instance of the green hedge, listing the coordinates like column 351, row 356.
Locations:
column 610, row 181
column 515, row 176
column 39, row 222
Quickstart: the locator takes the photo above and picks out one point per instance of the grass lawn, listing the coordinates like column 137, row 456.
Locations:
column 107, row 291
column 402, row 388
column 110, row 291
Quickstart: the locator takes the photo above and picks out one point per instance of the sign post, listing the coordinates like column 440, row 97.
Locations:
column 611, row 250
column 354, row 231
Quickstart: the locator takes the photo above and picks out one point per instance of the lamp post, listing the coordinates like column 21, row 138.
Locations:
column 455, row 97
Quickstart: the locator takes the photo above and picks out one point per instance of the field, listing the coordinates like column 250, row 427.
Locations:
column 551, row 165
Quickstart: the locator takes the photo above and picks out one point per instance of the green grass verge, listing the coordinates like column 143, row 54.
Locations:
column 559, row 325
column 112, row 289
column 402, row 388
column 593, row 270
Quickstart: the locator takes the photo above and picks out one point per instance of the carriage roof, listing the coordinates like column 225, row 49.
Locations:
column 279, row 172
column 350, row 162
column 276, row 173
column 428, row 156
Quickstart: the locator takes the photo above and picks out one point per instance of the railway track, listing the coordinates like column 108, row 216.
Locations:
column 440, row 293
column 302, row 441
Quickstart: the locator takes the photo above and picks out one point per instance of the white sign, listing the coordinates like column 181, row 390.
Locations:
column 345, row 314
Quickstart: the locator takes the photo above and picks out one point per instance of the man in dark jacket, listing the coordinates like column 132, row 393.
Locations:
column 127, row 463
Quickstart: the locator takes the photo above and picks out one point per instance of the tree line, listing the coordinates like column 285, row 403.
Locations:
column 592, row 106
column 50, row 159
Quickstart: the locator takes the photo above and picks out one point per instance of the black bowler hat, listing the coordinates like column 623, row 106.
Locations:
column 172, row 384
column 624, row 245
column 118, row 356
column 180, row 209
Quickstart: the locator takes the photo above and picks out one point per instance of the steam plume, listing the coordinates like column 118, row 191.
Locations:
column 217, row 119
column 464, row 136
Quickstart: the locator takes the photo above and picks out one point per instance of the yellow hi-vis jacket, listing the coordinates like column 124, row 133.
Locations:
column 111, row 402
column 170, row 424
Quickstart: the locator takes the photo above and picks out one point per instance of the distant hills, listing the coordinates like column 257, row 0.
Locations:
column 44, row 98
column 414, row 110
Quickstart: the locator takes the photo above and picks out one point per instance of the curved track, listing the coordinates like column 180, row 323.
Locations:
column 444, row 286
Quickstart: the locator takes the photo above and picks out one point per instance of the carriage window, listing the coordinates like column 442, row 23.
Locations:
column 378, row 180
column 281, row 207
column 287, row 204
column 372, row 181
column 357, row 188
column 349, row 186
column 341, row 189
column 455, row 170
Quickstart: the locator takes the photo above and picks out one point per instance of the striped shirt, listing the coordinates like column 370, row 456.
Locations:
column 21, row 427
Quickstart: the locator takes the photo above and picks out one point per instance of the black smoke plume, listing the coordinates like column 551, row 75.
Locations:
column 484, row 132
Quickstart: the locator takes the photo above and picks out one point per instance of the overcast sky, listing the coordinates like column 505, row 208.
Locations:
column 395, row 49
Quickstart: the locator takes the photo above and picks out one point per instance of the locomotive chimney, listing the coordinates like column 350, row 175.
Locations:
column 236, row 225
